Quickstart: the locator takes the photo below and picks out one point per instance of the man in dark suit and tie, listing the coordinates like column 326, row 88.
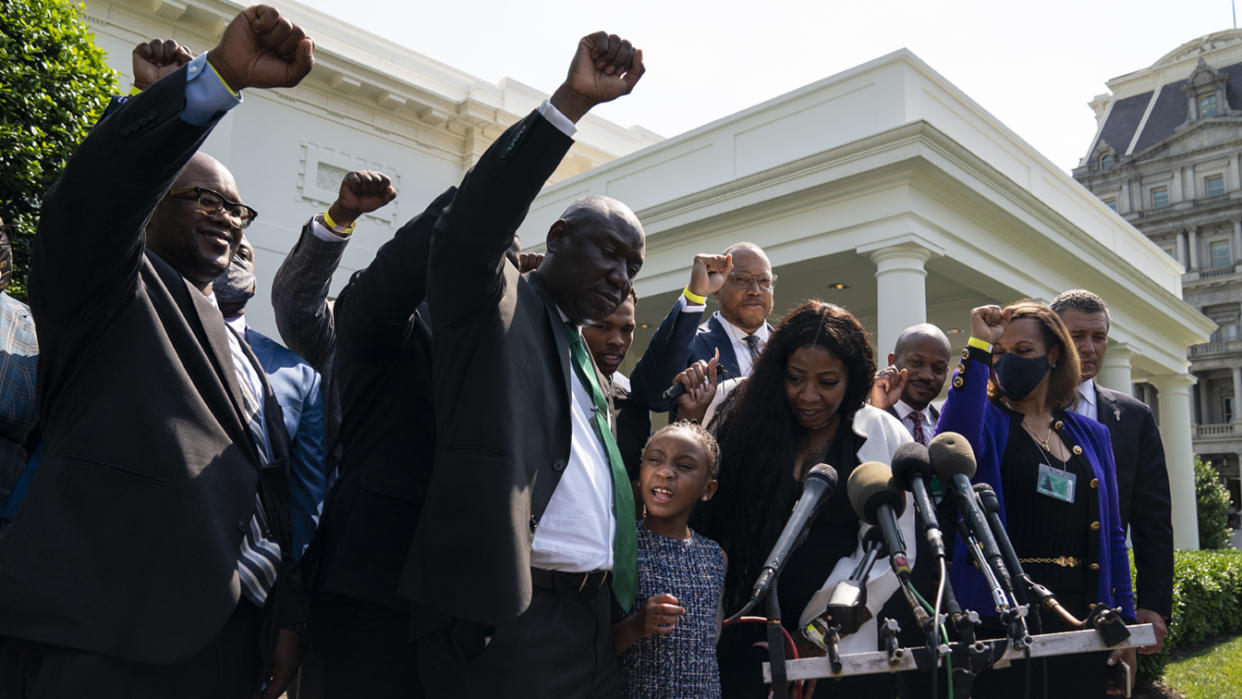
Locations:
column 916, row 371
column 740, row 329
column 1142, row 477
column 609, row 340
column 152, row 554
column 297, row 388
column 529, row 513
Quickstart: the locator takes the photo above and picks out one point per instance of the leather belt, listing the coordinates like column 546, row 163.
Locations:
column 1063, row 561
column 562, row 582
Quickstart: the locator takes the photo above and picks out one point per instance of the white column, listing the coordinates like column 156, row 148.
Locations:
column 1179, row 250
column 1115, row 372
column 1205, row 405
column 1179, row 455
column 901, row 292
column 1192, row 239
column 1237, row 394
column 1237, row 240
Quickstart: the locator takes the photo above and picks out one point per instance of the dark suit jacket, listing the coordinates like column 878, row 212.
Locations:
column 127, row 543
column 383, row 363
column 711, row 335
column 501, row 377
column 298, row 390
column 1142, row 493
column 666, row 356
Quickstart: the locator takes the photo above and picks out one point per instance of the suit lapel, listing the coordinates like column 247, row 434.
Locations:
column 558, row 330
column 1107, row 409
column 721, row 339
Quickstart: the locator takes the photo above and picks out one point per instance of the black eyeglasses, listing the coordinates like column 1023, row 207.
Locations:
column 213, row 201
column 745, row 281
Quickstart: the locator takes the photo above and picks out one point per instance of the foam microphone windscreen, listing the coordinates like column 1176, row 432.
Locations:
column 950, row 455
column 909, row 460
column 987, row 496
column 871, row 485
column 825, row 472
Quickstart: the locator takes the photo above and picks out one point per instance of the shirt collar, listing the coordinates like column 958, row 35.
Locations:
column 1086, row 391
column 237, row 323
column 904, row 409
column 738, row 335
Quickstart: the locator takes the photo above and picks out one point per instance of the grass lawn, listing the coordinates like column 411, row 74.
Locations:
column 1214, row 672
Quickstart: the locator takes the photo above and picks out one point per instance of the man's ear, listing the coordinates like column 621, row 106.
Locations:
column 892, row 359
column 556, row 234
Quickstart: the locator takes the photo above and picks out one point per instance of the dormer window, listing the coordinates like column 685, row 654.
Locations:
column 1207, row 106
column 1205, row 93
column 1106, row 161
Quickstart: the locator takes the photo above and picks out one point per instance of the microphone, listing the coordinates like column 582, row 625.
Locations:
column 819, row 486
column 953, row 460
column 672, row 392
column 911, row 465
column 879, row 502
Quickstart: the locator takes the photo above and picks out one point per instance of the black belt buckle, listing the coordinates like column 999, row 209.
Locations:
column 560, row 581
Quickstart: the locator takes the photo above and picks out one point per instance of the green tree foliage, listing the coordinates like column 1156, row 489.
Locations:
column 1213, row 499
column 54, row 84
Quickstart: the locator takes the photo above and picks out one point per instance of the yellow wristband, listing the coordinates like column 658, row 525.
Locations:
column 980, row 344
column 327, row 218
column 693, row 297
column 222, row 82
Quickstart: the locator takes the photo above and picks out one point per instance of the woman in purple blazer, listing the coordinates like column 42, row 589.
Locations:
column 1053, row 473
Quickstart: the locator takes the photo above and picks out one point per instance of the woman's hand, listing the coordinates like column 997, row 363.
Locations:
column 700, row 382
column 987, row 323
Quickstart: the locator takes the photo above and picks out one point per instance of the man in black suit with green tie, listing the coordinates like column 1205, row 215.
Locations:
column 528, row 524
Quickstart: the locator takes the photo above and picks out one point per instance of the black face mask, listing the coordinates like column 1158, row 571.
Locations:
column 6, row 261
column 1018, row 376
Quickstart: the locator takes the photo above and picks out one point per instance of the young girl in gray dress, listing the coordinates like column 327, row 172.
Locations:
column 668, row 647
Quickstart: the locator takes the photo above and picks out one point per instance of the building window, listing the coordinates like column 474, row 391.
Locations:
column 1111, row 203
column 1207, row 106
column 1227, row 332
column 1220, row 254
column 1159, row 197
column 1213, row 185
column 1227, row 406
column 1106, row 161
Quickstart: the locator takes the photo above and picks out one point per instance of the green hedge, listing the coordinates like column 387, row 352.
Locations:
column 1207, row 602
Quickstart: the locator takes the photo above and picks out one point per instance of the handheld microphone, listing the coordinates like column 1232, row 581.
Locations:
column 819, row 486
column 879, row 502
column 911, row 465
column 672, row 392
column 953, row 460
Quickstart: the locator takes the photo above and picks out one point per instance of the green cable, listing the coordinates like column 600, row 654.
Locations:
column 944, row 633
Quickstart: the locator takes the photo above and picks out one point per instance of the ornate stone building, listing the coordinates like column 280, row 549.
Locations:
column 1167, row 156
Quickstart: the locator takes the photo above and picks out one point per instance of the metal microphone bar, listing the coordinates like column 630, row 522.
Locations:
column 875, row 662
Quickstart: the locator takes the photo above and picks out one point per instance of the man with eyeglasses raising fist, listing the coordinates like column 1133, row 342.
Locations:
column 740, row 329
column 152, row 554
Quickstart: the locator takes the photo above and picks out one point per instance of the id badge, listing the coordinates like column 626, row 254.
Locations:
column 1055, row 483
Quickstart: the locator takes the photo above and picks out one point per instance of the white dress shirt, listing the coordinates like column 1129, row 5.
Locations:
column 1085, row 405
column 576, row 531
column 738, row 337
column 904, row 411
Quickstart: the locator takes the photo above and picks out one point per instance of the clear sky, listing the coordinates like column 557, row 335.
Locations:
column 1032, row 65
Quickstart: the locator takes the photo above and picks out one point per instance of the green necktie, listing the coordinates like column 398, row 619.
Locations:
column 624, row 544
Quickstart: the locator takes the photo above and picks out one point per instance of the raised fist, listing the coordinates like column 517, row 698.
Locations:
column 987, row 323
column 888, row 387
column 154, row 59
column 260, row 48
column 529, row 261
column 708, row 273
column 605, row 67
column 362, row 191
